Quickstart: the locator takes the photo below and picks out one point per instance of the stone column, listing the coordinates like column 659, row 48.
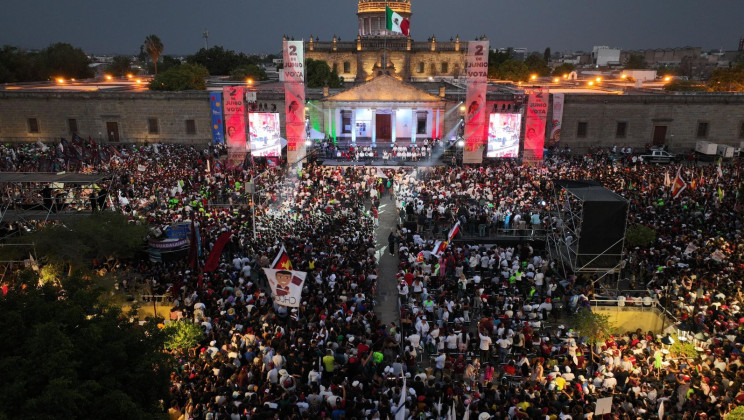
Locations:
column 414, row 125
column 353, row 125
column 393, row 123
column 373, row 126
column 435, row 128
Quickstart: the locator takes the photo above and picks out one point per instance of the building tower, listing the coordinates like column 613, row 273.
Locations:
column 741, row 44
column 372, row 20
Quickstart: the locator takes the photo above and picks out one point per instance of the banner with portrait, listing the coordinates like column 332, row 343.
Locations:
column 286, row 286
column 218, row 130
column 263, row 129
column 294, row 99
column 537, row 113
column 234, row 108
column 555, row 127
column 476, row 70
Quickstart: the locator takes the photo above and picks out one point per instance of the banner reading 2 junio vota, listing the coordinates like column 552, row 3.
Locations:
column 234, row 107
column 476, row 67
column 537, row 113
column 218, row 133
column 294, row 99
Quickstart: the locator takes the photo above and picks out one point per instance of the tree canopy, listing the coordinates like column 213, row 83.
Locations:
column 120, row 66
column 319, row 73
column 68, row 356
column 496, row 59
column 57, row 60
column 636, row 62
column 219, row 61
column 727, row 80
column 513, row 70
column 154, row 47
column 182, row 77
column 537, row 65
column 563, row 68
column 250, row 71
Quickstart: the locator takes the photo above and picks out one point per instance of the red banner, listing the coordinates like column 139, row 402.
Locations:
column 476, row 67
column 234, row 108
column 294, row 99
column 537, row 113
column 213, row 261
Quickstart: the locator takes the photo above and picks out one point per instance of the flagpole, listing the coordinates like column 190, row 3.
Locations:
column 384, row 43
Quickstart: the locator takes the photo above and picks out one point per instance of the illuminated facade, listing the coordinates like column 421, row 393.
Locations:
column 377, row 52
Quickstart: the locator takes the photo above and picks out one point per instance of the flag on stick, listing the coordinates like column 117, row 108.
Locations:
column 679, row 184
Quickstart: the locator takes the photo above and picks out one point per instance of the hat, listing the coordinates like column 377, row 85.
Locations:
column 213, row 343
column 283, row 372
column 582, row 378
column 355, row 384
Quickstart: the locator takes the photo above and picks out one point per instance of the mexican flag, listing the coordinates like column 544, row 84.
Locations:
column 395, row 22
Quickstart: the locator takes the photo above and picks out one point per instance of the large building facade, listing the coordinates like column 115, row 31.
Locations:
column 377, row 52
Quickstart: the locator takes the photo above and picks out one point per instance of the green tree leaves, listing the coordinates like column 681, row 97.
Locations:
column 74, row 358
column 250, row 71
column 319, row 73
column 183, row 77
column 154, row 47
column 182, row 335
column 57, row 60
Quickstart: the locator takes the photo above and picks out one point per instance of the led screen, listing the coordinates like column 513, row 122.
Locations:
column 264, row 133
column 503, row 135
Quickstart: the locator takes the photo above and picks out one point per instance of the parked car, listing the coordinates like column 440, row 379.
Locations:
column 659, row 156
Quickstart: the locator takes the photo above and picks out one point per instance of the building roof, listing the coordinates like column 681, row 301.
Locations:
column 384, row 89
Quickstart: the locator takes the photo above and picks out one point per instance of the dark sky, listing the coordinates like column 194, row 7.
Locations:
column 255, row 26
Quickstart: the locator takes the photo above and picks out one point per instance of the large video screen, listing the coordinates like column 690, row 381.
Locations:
column 503, row 135
column 264, row 133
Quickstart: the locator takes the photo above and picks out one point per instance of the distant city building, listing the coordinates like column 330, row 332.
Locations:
column 604, row 56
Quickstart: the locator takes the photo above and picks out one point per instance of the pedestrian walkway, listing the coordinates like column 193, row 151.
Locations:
column 387, row 292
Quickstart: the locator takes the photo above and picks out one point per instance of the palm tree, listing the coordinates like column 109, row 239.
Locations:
column 154, row 48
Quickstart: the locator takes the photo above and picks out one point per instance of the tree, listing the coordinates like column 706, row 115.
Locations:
column 182, row 335
column 167, row 63
column 154, row 48
column 63, row 60
column 496, row 59
column 564, row 68
column 640, row 235
column 595, row 327
column 546, row 55
column 513, row 70
column 183, row 77
column 736, row 414
column 120, row 66
column 635, row 62
column 685, row 86
column 251, row 71
column 727, row 80
column 319, row 74
column 69, row 356
column 536, row 65
column 220, row 61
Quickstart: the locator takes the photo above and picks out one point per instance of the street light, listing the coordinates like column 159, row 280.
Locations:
column 599, row 79
column 109, row 77
column 533, row 77
column 556, row 80
column 666, row 79
column 249, row 82
column 623, row 76
column 591, row 83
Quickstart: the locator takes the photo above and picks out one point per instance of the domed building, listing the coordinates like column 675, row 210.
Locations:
column 377, row 51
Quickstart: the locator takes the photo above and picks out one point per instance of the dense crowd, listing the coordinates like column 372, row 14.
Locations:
column 483, row 328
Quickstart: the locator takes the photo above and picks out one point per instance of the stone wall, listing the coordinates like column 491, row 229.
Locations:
column 92, row 111
column 679, row 113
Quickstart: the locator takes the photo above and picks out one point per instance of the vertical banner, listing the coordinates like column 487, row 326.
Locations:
column 537, row 113
column 555, row 127
column 235, row 125
column 294, row 99
column 218, row 133
column 476, row 66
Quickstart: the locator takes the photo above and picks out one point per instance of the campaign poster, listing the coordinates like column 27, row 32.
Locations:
column 294, row 99
column 286, row 286
column 263, row 129
column 537, row 113
column 504, row 131
column 234, row 106
column 218, row 129
column 555, row 126
column 476, row 68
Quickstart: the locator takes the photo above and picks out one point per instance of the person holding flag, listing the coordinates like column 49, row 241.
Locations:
column 679, row 184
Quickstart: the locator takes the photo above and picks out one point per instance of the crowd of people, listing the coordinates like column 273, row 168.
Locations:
column 483, row 329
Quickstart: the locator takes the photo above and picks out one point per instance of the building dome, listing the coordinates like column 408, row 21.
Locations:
column 371, row 16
